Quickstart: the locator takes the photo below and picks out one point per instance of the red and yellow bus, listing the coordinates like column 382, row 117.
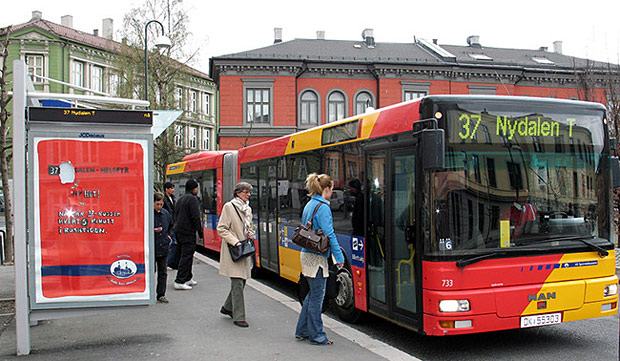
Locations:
column 456, row 214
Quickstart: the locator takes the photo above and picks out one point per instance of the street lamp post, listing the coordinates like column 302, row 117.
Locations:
column 162, row 42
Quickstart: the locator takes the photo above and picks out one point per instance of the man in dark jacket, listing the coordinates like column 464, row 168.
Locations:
column 162, row 222
column 169, row 202
column 187, row 225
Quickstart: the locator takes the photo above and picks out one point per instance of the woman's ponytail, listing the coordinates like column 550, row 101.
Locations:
column 315, row 184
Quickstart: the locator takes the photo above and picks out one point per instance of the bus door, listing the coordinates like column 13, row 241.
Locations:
column 268, row 207
column 390, row 243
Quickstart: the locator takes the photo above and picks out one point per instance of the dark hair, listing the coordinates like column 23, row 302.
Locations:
column 158, row 197
column 190, row 185
column 356, row 184
column 168, row 185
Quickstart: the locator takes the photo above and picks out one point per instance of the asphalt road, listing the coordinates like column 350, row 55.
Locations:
column 595, row 339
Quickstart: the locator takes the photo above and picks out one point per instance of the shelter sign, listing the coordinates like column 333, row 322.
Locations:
column 90, row 213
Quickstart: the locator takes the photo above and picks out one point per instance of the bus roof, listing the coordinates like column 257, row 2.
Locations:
column 198, row 161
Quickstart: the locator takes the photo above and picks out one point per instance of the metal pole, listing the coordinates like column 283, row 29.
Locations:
column 146, row 56
column 22, row 305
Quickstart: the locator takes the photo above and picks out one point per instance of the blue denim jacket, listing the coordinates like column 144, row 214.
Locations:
column 324, row 221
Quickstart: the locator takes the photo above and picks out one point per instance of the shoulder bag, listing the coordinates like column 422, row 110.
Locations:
column 244, row 248
column 304, row 236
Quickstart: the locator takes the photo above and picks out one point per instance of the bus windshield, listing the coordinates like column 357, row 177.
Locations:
column 519, row 178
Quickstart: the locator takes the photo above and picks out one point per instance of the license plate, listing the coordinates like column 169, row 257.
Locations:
column 541, row 320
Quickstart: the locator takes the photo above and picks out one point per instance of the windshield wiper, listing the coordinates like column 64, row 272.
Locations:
column 601, row 251
column 467, row 261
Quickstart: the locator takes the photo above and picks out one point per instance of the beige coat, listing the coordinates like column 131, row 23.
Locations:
column 230, row 228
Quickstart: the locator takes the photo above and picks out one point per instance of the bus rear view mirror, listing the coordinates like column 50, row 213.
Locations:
column 433, row 149
column 615, row 172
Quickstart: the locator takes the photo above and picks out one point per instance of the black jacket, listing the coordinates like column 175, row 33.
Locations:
column 162, row 219
column 187, row 218
column 169, row 205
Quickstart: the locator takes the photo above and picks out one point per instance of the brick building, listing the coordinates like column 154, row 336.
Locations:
column 297, row 84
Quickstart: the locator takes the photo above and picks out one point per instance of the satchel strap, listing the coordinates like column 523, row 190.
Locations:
column 316, row 209
column 245, row 226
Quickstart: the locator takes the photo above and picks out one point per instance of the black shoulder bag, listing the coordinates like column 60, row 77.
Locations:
column 244, row 248
column 304, row 236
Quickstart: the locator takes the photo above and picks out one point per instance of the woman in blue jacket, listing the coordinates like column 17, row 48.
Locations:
column 314, row 265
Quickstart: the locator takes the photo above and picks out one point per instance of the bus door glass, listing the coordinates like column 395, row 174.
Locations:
column 402, row 231
column 375, row 242
column 268, row 206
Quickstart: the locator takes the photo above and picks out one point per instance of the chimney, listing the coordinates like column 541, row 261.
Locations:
column 107, row 28
column 67, row 21
column 543, row 48
column 368, row 37
column 37, row 15
column 320, row 35
column 557, row 46
column 435, row 41
column 474, row 41
column 277, row 35
column 96, row 32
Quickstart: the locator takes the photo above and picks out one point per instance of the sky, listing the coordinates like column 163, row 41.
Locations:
column 589, row 30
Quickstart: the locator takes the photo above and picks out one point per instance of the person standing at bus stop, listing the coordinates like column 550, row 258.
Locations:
column 169, row 202
column 186, row 227
column 314, row 266
column 236, row 225
column 162, row 222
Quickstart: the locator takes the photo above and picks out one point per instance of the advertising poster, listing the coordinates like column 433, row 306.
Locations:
column 91, row 219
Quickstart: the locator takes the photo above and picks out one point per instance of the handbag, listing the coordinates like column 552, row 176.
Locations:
column 304, row 236
column 244, row 248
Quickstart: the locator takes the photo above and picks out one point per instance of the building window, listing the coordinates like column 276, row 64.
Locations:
column 206, row 138
column 113, row 84
column 413, row 94
column 363, row 100
column 194, row 101
column 96, row 78
column 77, row 73
column 335, row 106
column 193, row 137
column 207, row 106
column 258, row 105
column 179, row 135
column 178, row 97
column 309, row 108
column 36, row 66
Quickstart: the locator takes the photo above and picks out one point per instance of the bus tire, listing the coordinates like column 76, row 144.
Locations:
column 345, row 300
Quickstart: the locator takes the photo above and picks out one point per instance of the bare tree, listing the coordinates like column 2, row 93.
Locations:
column 5, row 144
column 164, row 68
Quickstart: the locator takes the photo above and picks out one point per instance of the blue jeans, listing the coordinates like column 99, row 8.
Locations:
column 310, row 324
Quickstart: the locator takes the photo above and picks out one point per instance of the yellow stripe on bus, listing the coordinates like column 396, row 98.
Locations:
column 175, row 168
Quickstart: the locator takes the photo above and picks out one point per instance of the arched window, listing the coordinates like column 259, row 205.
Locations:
column 363, row 100
column 335, row 106
column 309, row 108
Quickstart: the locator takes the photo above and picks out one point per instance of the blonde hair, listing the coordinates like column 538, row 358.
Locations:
column 316, row 183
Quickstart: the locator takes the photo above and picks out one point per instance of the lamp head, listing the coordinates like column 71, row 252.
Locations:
column 163, row 42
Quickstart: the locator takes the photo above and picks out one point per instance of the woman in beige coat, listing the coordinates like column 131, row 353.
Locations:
column 236, row 225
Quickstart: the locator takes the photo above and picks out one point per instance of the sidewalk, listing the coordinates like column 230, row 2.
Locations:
column 190, row 327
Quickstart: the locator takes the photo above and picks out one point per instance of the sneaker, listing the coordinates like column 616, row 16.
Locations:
column 182, row 286
column 191, row 282
column 162, row 299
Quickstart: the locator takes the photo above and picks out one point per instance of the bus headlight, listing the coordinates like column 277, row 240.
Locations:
column 610, row 290
column 454, row 305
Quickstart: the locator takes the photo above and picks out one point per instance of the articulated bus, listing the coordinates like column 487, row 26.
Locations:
column 456, row 214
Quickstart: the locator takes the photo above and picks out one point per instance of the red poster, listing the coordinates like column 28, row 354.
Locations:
column 91, row 238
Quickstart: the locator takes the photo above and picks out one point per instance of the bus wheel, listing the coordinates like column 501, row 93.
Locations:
column 345, row 300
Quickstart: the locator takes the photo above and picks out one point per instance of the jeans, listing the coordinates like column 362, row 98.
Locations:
column 162, row 275
column 186, row 252
column 310, row 324
column 234, row 301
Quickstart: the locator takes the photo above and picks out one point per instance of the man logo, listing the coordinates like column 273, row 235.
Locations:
column 123, row 268
column 541, row 296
